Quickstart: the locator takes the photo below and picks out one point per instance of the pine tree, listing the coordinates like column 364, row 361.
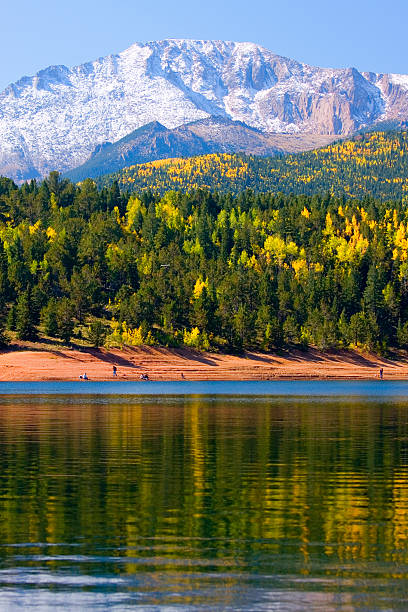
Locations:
column 97, row 333
column 49, row 318
column 24, row 318
column 65, row 319
column 373, row 294
column 12, row 318
column 4, row 283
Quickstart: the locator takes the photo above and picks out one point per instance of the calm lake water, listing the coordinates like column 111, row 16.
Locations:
column 204, row 496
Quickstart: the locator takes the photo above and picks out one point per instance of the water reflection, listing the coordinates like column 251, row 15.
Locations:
column 217, row 503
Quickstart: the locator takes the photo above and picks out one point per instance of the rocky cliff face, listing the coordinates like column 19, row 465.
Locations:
column 55, row 119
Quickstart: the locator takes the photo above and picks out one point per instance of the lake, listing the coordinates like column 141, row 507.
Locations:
column 204, row 496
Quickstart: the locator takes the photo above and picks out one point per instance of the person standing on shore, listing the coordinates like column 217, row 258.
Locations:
column 114, row 371
column 381, row 373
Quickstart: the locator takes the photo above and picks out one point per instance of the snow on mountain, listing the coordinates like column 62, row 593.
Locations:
column 55, row 119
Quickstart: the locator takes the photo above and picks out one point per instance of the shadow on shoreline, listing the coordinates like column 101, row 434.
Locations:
column 130, row 357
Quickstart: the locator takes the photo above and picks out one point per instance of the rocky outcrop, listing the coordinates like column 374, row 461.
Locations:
column 55, row 119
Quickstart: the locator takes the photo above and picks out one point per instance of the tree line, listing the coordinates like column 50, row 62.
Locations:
column 374, row 163
column 207, row 270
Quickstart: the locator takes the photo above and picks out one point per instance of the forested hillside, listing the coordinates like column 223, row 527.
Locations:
column 210, row 271
column 375, row 163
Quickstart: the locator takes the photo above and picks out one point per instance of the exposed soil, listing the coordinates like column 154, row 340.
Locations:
column 27, row 363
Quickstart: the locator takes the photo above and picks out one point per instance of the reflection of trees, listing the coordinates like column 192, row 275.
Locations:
column 217, row 478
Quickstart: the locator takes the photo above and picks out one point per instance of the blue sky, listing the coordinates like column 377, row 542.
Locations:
column 367, row 34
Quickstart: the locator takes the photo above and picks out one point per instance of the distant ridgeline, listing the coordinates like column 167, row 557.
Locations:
column 375, row 163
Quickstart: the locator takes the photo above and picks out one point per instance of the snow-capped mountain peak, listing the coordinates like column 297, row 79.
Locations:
column 55, row 119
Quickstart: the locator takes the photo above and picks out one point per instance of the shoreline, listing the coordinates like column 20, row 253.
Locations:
column 29, row 364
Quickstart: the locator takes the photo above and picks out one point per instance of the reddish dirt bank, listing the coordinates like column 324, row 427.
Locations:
column 170, row 364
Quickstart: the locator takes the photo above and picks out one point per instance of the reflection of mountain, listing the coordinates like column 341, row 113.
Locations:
column 55, row 119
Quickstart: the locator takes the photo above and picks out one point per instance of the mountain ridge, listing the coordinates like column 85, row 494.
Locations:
column 56, row 118
column 211, row 135
column 375, row 164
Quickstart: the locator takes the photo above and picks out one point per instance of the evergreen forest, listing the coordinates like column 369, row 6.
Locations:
column 374, row 163
column 203, row 269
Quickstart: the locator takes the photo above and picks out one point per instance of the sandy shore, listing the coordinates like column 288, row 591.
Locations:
column 20, row 364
